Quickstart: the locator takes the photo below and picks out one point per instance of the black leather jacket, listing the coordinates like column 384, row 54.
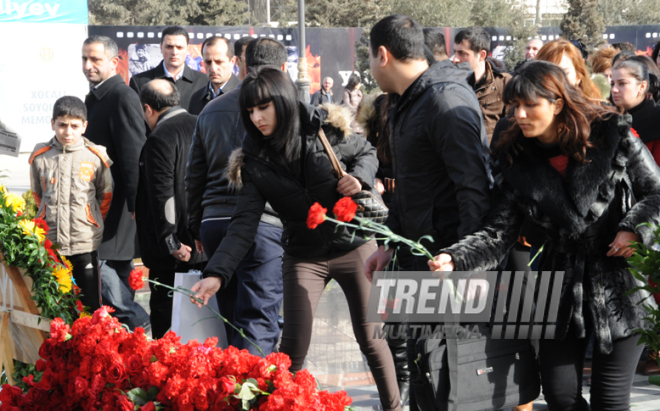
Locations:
column 260, row 180
column 218, row 132
column 439, row 156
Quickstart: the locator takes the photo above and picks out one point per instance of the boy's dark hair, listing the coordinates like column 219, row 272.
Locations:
column 400, row 35
column 265, row 52
column 240, row 44
column 435, row 41
column 213, row 40
column 174, row 31
column 478, row 37
column 70, row 106
column 157, row 99
column 109, row 45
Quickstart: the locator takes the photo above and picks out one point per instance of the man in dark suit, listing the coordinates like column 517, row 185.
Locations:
column 115, row 122
column 174, row 47
column 161, row 211
column 219, row 60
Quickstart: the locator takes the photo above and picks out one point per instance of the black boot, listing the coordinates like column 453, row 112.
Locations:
column 398, row 349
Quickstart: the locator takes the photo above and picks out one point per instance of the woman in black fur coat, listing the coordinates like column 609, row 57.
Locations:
column 575, row 169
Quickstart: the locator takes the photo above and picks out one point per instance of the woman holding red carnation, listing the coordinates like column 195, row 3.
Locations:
column 283, row 162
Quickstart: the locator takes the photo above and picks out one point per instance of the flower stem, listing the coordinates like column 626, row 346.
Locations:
column 191, row 294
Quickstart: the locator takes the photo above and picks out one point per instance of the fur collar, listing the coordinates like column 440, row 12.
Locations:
column 580, row 198
column 367, row 112
column 335, row 116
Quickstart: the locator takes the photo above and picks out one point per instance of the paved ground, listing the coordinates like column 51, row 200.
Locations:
column 334, row 357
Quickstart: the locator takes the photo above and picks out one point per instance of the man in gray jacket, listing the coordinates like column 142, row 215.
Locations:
column 253, row 297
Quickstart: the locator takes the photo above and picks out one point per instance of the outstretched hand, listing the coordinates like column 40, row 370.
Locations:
column 205, row 289
column 442, row 262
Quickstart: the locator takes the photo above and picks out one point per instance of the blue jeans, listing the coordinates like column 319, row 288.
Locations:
column 253, row 297
column 117, row 293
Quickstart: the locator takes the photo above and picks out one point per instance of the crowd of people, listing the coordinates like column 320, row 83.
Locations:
column 218, row 172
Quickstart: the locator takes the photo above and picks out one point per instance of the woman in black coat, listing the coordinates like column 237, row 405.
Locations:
column 283, row 163
column 576, row 169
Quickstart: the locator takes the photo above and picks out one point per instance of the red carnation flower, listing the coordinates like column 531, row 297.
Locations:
column 634, row 132
column 316, row 215
column 79, row 306
column 59, row 330
column 135, row 280
column 345, row 209
column 101, row 313
column 40, row 222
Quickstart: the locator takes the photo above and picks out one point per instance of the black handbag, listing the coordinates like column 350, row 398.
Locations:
column 370, row 204
column 475, row 374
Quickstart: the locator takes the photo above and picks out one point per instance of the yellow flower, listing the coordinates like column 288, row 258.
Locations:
column 63, row 276
column 84, row 314
column 67, row 263
column 29, row 228
column 3, row 190
column 14, row 202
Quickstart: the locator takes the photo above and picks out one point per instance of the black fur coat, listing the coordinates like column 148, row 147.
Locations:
column 618, row 189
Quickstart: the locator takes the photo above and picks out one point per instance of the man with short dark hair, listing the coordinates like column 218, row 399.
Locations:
column 471, row 46
column 251, row 300
column 219, row 60
column 174, row 47
column 435, row 41
column 115, row 122
column 437, row 132
column 161, row 210
column 239, row 51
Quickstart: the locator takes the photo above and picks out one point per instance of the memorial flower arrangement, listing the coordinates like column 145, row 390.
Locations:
column 24, row 244
column 97, row 364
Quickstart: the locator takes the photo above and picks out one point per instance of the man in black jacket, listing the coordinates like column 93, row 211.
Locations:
column 115, row 122
column 219, row 60
column 439, row 146
column 174, row 47
column 161, row 211
column 252, row 299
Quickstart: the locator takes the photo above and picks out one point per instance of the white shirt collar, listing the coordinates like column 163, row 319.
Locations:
column 213, row 91
column 168, row 74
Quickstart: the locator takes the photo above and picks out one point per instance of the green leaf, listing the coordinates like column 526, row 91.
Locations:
column 138, row 396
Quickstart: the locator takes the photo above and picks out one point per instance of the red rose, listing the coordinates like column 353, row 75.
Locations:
column 123, row 403
column 226, row 387
column 41, row 365
column 59, row 330
column 345, row 209
column 10, row 393
column 46, row 350
column 634, row 132
column 135, row 280
column 80, row 386
column 116, row 372
column 148, row 407
column 134, row 364
column 316, row 215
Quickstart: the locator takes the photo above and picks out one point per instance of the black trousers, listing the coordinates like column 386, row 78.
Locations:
column 86, row 274
column 160, row 303
column 611, row 374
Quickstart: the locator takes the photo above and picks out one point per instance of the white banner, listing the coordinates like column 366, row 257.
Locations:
column 41, row 62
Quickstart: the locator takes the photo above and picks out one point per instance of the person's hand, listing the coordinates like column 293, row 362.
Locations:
column 349, row 185
column 206, row 289
column 379, row 186
column 183, row 253
column 199, row 246
column 620, row 247
column 442, row 262
column 377, row 262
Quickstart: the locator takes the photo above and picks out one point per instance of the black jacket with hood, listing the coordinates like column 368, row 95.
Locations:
column 439, row 156
column 260, row 180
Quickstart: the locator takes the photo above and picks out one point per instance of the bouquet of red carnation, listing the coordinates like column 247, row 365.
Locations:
column 99, row 365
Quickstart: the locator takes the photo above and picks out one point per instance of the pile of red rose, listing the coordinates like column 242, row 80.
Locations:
column 99, row 365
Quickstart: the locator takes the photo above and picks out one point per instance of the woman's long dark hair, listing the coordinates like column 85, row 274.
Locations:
column 541, row 79
column 266, row 84
column 353, row 81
